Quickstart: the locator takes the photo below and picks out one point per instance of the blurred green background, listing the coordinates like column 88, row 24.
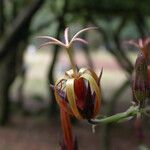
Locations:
column 29, row 116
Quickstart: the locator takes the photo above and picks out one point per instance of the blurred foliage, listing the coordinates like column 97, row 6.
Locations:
column 22, row 20
column 112, row 5
column 117, row 20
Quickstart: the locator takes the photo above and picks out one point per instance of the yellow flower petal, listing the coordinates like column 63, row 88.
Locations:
column 90, row 71
column 71, row 98
column 82, row 70
column 59, row 100
column 69, row 73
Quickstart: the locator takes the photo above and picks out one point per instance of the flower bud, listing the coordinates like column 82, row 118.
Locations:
column 141, row 75
column 79, row 94
column 140, row 84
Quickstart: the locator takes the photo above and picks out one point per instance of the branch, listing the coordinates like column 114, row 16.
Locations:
column 112, row 48
column 2, row 17
column 127, row 63
column 44, row 25
column 131, row 112
column 17, row 28
column 120, row 11
column 128, row 114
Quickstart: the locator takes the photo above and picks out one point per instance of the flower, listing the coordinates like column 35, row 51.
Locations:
column 79, row 95
column 77, row 92
column 141, row 75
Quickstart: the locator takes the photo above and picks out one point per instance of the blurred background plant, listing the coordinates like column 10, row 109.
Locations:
column 26, row 73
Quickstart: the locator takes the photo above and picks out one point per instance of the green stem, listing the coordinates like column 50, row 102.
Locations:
column 131, row 112
column 72, row 61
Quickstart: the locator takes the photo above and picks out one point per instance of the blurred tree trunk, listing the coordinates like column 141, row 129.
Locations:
column 2, row 18
column 110, row 110
column 141, row 25
column 7, row 76
column 17, row 27
column 21, row 71
column 113, row 45
column 53, row 107
column 8, row 54
column 8, row 73
column 60, row 28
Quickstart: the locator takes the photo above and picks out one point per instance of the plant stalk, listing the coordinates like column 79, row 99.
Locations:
column 131, row 112
column 72, row 61
column 67, row 131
